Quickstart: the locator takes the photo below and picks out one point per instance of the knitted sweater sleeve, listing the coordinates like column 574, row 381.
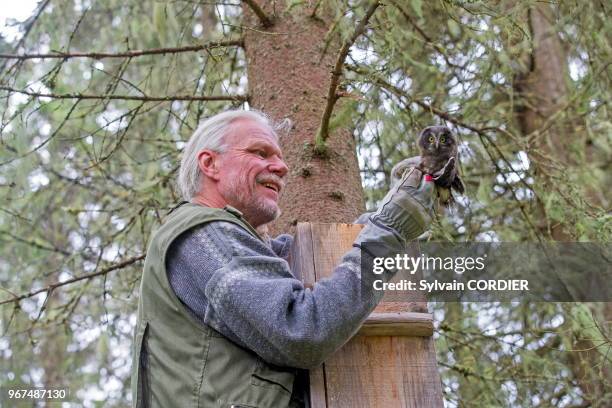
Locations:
column 245, row 289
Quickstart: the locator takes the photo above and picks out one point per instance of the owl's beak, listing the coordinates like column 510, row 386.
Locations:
column 437, row 144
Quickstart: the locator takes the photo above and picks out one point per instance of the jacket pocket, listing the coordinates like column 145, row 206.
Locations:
column 266, row 375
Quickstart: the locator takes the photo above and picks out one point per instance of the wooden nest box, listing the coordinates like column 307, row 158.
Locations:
column 391, row 362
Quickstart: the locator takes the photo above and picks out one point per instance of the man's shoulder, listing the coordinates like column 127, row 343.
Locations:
column 231, row 236
column 219, row 230
column 227, row 229
column 186, row 217
column 189, row 212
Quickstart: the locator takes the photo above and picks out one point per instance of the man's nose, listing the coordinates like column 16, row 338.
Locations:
column 278, row 167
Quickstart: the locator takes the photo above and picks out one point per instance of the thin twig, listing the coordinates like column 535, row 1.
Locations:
column 263, row 17
column 125, row 54
column 315, row 8
column 235, row 98
column 53, row 286
column 35, row 244
column 332, row 96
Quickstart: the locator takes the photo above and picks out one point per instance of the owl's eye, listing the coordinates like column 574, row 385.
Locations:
column 431, row 139
column 442, row 139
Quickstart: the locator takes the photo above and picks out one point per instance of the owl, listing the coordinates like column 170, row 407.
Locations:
column 438, row 146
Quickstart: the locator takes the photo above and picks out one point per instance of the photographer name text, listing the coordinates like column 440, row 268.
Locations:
column 438, row 286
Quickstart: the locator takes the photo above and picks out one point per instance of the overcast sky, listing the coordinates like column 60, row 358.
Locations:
column 19, row 10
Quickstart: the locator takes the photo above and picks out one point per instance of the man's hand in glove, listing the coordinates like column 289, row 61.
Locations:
column 408, row 206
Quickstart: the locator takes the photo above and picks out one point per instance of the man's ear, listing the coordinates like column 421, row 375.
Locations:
column 207, row 162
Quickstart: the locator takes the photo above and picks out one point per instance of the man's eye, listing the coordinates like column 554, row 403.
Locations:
column 261, row 153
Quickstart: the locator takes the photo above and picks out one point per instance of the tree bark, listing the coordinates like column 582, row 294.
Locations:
column 544, row 93
column 53, row 348
column 289, row 77
column 543, row 88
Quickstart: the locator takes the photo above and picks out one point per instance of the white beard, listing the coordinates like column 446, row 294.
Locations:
column 257, row 210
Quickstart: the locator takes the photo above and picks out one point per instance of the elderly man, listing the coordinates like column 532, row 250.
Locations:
column 222, row 321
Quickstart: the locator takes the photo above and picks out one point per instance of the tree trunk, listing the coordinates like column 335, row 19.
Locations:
column 544, row 92
column 543, row 88
column 53, row 347
column 289, row 77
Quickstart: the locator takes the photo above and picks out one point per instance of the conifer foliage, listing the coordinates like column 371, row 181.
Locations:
column 99, row 97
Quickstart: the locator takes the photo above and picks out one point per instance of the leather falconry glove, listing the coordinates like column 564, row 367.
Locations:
column 408, row 206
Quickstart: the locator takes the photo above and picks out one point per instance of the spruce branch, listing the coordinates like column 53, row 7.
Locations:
column 53, row 286
column 426, row 38
column 332, row 95
column 263, row 17
column 126, row 54
column 80, row 96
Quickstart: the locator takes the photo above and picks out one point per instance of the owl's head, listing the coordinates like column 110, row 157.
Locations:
column 436, row 139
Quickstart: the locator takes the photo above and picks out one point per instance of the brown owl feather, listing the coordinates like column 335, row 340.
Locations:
column 438, row 146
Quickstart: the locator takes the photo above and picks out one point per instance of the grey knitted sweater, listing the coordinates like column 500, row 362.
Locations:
column 244, row 289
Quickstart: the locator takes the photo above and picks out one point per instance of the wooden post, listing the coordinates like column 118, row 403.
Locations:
column 391, row 362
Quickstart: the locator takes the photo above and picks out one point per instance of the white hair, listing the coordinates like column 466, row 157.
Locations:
column 210, row 135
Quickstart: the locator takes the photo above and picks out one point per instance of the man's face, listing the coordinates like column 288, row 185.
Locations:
column 252, row 171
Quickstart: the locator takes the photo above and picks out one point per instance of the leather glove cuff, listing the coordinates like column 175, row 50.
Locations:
column 406, row 216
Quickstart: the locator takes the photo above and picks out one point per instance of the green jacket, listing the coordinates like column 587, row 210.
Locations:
column 178, row 361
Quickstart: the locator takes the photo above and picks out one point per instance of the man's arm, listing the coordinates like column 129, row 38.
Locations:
column 234, row 283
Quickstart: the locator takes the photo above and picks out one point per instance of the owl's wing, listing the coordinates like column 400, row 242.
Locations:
column 447, row 178
column 457, row 184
